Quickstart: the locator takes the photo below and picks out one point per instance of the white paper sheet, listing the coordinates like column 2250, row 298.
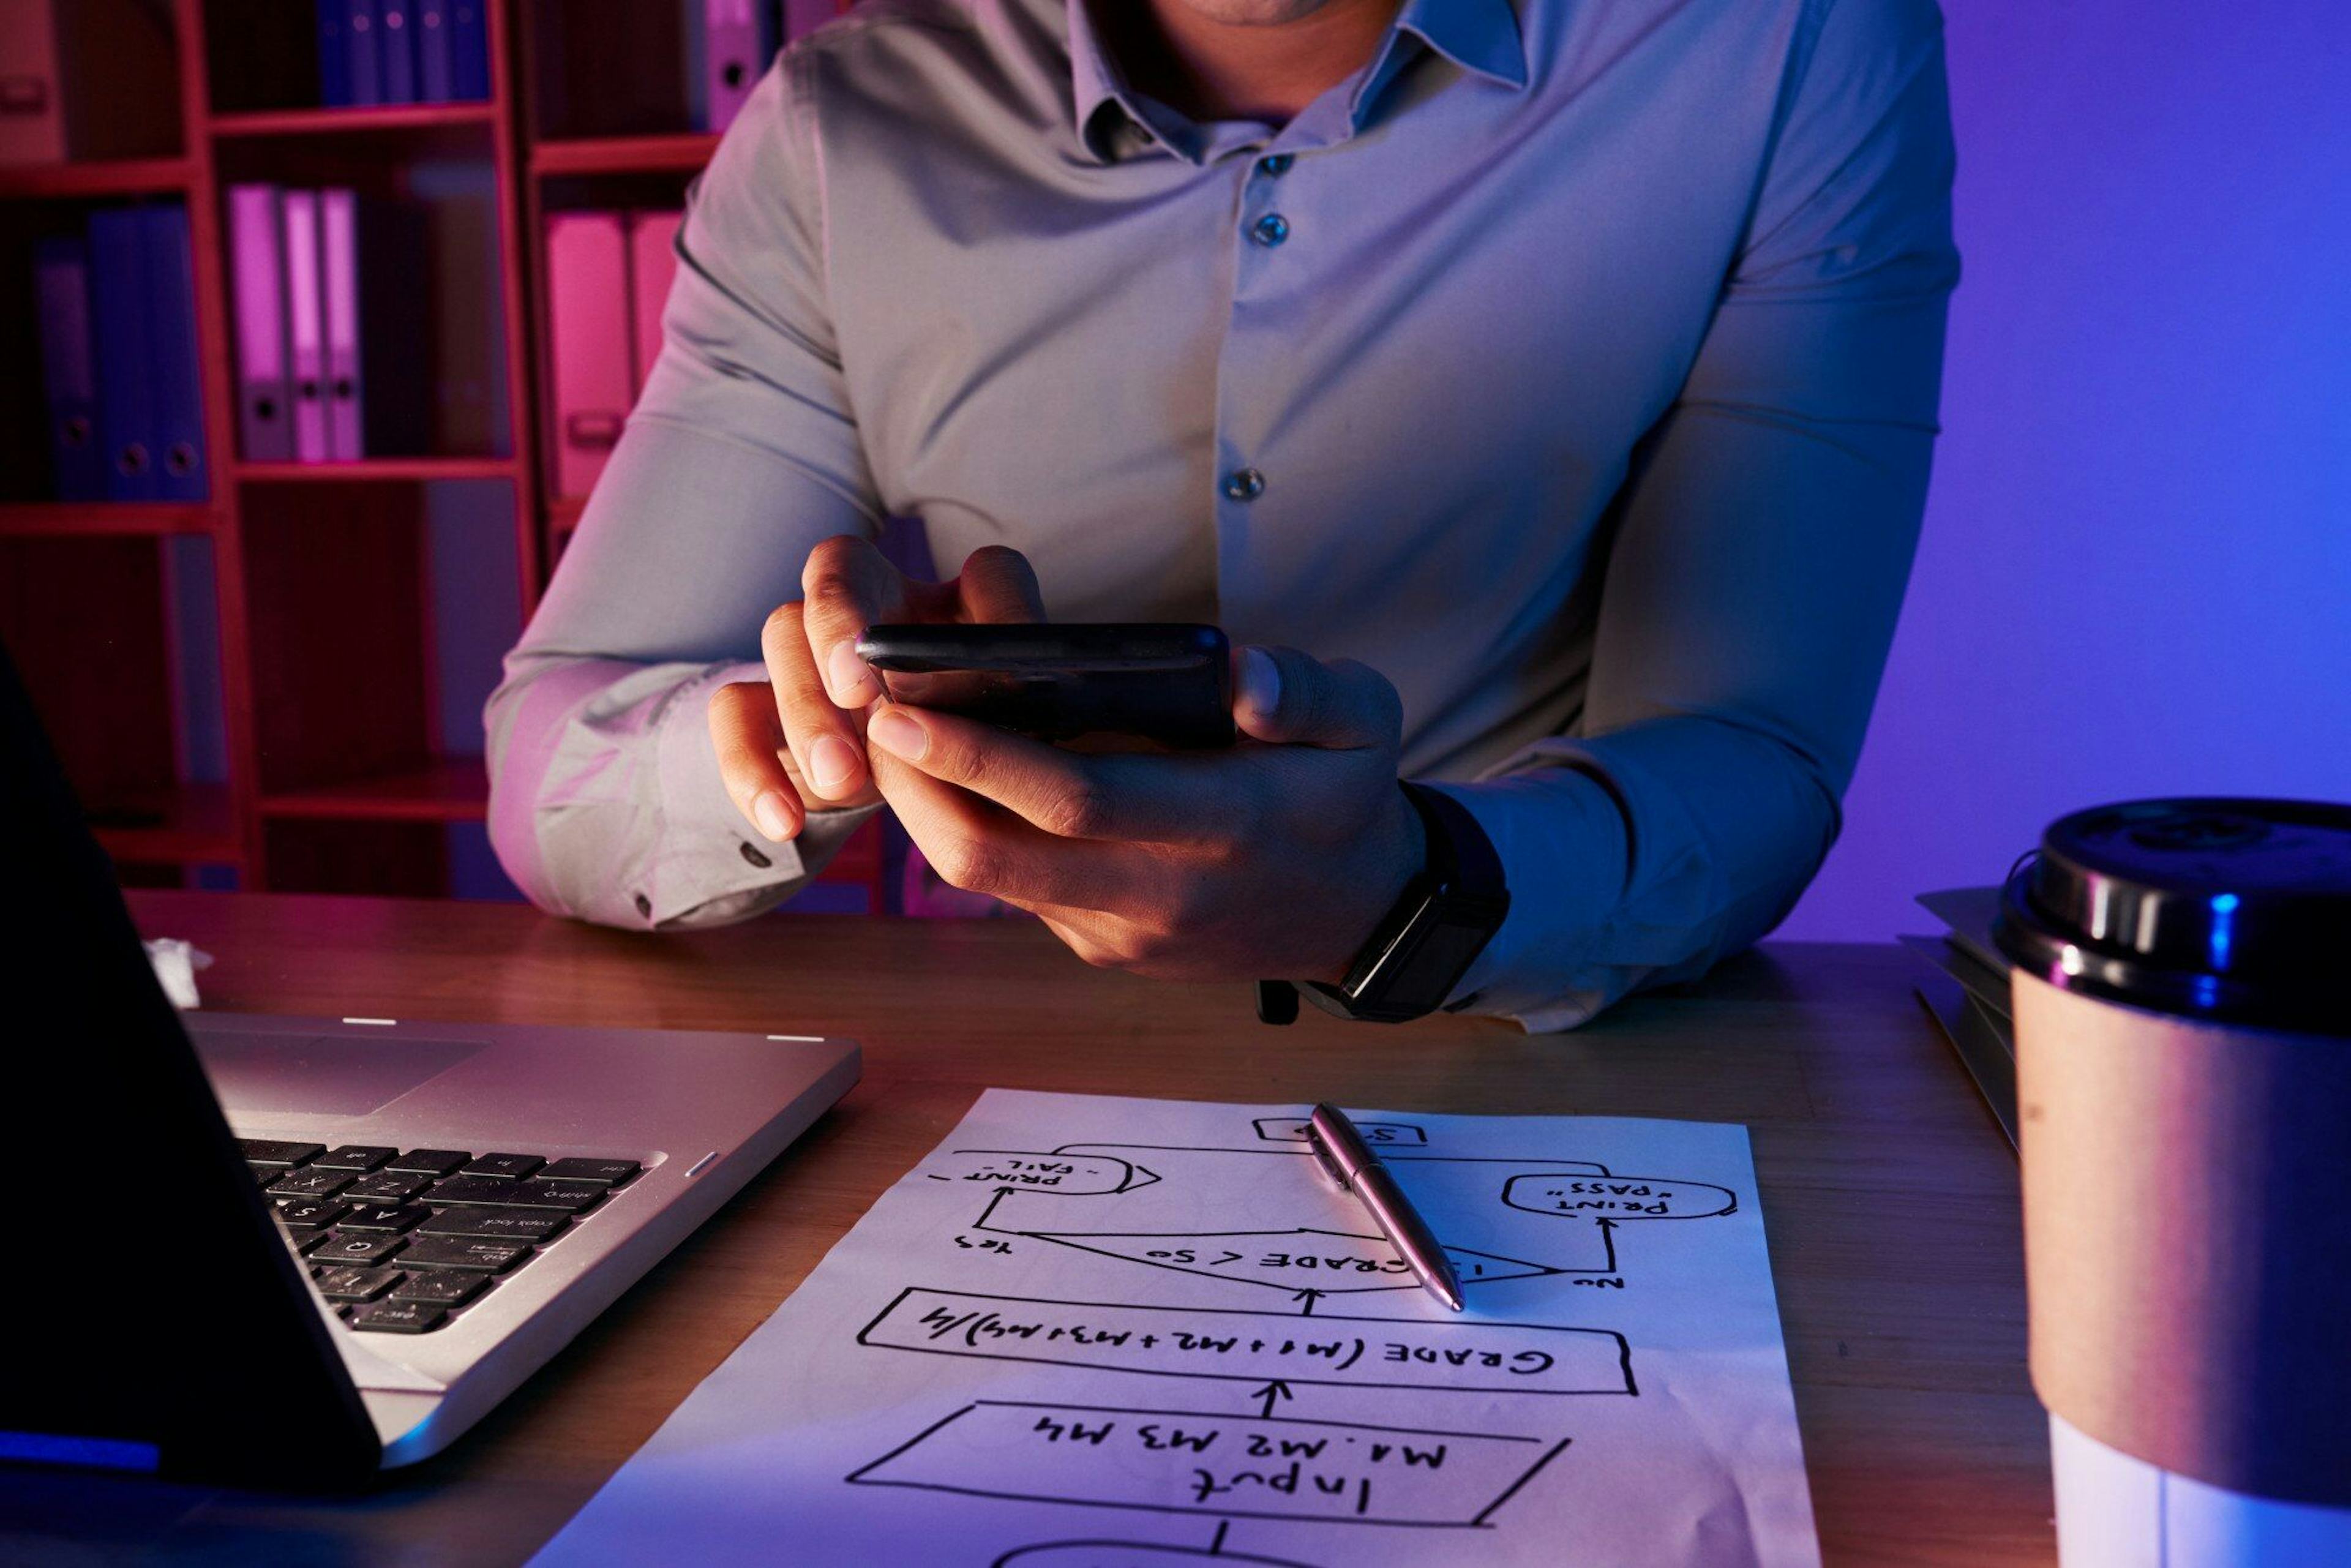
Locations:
column 1091, row 1333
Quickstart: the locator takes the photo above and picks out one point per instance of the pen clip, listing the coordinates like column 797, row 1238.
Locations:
column 1323, row 1155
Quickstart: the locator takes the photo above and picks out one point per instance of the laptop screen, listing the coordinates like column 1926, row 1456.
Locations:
column 154, row 1315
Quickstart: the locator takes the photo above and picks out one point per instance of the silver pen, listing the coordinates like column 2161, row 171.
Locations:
column 1348, row 1160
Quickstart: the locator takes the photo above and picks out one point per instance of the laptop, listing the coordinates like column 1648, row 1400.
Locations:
column 299, row 1250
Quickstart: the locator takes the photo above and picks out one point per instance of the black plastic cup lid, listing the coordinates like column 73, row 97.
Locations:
column 2237, row 911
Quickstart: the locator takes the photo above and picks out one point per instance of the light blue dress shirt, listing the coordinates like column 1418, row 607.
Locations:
column 1574, row 364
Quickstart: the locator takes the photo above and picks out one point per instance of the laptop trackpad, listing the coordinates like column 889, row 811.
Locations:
column 320, row 1075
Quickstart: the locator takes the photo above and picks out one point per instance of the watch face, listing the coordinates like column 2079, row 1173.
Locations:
column 1425, row 961
column 1445, row 948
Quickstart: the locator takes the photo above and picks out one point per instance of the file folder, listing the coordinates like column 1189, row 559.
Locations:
column 469, row 49
column 339, row 265
column 396, row 51
column 120, row 309
column 305, row 331
column 363, row 52
column 653, row 265
column 587, row 306
column 32, row 111
column 737, row 40
column 68, row 372
column 429, row 23
column 265, row 417
column 172, row 355
column 334, row 56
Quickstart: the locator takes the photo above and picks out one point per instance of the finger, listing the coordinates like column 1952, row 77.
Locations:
column 1144, row 799
column 998, row 584
column 1075, row 933
column 981, row 848
column 1282, row 696
column 749, row 740
column 847, row 586
column 823, row 740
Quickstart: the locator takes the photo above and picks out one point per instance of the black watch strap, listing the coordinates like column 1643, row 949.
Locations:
column 1419, row 952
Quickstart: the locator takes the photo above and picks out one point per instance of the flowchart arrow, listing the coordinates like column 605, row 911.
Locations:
column 1326, row 1261
column 1272, row 1394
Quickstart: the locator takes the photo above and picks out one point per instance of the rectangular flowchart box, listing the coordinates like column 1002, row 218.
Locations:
column 1238, row 1466
column 1460, row 1354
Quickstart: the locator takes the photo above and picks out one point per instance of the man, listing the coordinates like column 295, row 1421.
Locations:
column 1559, row 375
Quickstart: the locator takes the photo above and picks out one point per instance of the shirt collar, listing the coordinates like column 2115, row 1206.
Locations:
column 1481, row 37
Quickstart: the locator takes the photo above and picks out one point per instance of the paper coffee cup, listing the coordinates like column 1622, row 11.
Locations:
column 2182, row 990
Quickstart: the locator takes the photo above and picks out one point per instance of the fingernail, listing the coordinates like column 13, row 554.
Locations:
column 845, row 673
column 1261, row 681
column 774, row 820
column 831, row 762
column 898, row 735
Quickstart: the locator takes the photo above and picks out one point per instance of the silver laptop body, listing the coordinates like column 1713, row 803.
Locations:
column 700, row 1112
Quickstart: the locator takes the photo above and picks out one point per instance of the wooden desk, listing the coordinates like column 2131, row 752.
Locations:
column 1889, row 1198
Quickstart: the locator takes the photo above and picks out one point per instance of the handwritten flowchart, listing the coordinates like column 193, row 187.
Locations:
column 1173, row 1341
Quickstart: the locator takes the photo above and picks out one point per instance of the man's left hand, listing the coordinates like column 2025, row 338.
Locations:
column 1275, row 859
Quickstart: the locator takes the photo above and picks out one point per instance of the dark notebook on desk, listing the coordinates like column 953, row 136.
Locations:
column 1966, row 993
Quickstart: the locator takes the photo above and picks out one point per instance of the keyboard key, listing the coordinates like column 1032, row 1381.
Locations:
column 478, row 1253
column 272, row 1152
column 441, row 1287
column 309, row 1213
column 364, row 1247
column 264, row 1175
column 506, row 1223
column 304, row 1241
column 430, row 1162
column 569, row 1196
column 400, row 1317
column 386, row 1187
column 384, row 1217
column 310, row 1184
column 350, row 1284
column 512, row 1166
column 356, row 1157
column 607, row 1172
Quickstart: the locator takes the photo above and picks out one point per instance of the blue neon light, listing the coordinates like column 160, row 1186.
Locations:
column 2224, row 915
column 59, row 1448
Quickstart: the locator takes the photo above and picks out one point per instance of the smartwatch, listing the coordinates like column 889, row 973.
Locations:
column 1420, row 950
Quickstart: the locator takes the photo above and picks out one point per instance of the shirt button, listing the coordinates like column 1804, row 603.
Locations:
column 1277, row 165
column 1269, row 230
column 1244, row 484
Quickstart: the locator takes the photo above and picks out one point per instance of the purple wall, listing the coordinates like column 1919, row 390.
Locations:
column 2136, row 578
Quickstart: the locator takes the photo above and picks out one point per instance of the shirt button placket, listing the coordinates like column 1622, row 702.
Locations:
column 1268, row 231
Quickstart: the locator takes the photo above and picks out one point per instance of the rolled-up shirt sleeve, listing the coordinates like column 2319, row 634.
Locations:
column 1761, row 544
column 605, row 801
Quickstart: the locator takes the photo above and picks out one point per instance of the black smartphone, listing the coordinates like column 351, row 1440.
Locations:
column 1165, row 683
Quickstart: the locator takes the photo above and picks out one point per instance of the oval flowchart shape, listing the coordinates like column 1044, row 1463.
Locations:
column 1616, row 1198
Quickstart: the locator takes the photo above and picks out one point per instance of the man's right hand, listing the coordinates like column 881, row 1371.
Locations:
column 797, row 744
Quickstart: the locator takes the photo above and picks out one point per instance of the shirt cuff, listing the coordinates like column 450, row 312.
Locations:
column 711, row 865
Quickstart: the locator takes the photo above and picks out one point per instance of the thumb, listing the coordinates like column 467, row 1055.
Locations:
column 1288, row 699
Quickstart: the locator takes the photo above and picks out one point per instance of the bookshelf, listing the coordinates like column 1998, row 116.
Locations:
column 262, row 688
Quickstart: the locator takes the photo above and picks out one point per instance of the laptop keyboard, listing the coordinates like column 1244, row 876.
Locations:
column 403, row 1241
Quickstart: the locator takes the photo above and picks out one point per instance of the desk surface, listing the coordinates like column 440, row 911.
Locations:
column 1888, row 1196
